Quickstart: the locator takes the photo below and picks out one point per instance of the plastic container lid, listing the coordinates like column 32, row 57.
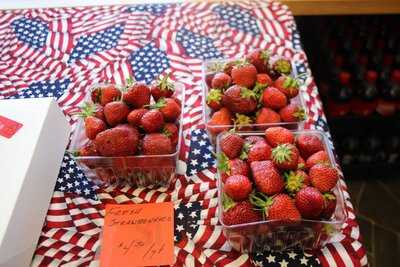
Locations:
column 371, row 76
column 344, row 77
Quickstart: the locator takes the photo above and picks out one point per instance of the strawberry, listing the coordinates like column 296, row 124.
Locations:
column 273, row 98
column 229, row 167
column 243, row 122
column 208, row 79
column 267, row 115
column 169, row 109
column 287, row 85
column 323, row 177
column 263, row 79
column 172, row 131
column 253, row 139
column 99, row 112
column 94, row 126
column 318, row 157
column 296, row 180
column 259, row 151
column 281, row 66
column 329, row 205
column 285, row 156
column 238, row 213
column 116, row 112
column 156, row 144
column 310, row 202
column 244, row 74
column 220, row 121
column 278, row 135
column 89, row 149
column 301, row 164
column 152, row 121
column 309, row 144
column 214, row 98
column 137, row 95
column 231, row 145
column 266, row 177
column 118, row 141
column 135, row 116
column 278, row 207
column 221, row 81
column 105, row 94
column 259, row 58
column 292, row 113
column 238, row 187
column 239, row 99
column 177, row 101
column 162, row 88
column 228, row 66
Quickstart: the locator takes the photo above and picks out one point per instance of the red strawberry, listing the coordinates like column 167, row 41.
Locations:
column 310, row 202
column 137, row 95
column 238, row 213
column 244, row 74
column 238, row 187
column 266, row 177
column 243, row 122
column 301, row 165
column 259, row 58
column 169, row 108
column 135, row 116
column 163, row 88
column 296, row 180
column 88, row 150
column 156, row 144
column 239, row 99
column 221, row 81
column 285, row 156
column 253, row 139
column 118, row 141
column 281, row 66
column 152, row 121
column 231, row 145
column 94, row 126
column 308, row 144
column 287, row 85
column 208, row 79
column 229, row 167
column 214, row 99
column 329, row 205
column 323, row 177
column 116, row 112
column 263, row 79
column 177, row 101
column 99, row 112
column 292, row 113
column 273, row 98
column 259, row 151
column 105, row 94
column 318, row 157
column 172, row 131
column 278, row 207
column 278, row 135
column 267, row 115
column 220, row 121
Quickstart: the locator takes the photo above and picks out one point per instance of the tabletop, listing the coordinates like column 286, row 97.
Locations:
column 60, row 52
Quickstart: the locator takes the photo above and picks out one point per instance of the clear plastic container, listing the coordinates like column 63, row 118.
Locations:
column 208, row 68
column 276, row 235
column 140, row 170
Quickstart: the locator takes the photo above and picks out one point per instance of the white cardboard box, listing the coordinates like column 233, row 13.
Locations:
column 29, row 165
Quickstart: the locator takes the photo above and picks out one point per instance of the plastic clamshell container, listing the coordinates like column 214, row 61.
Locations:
column 278, row 235
column 208, row 68
column 138, row 170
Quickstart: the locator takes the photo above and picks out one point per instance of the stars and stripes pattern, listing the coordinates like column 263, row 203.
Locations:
column 201, row 152
column 61, row 52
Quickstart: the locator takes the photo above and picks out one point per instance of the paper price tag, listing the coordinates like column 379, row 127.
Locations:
column 138, row 235
column 8, row 127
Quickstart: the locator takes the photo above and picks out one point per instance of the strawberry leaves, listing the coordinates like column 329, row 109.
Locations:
column 282, row 153
column 214, row 95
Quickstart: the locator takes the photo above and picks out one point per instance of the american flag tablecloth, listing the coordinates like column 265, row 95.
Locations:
column 60, row 52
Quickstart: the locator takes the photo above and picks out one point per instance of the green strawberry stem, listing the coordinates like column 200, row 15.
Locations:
column 227, row 202
column 242, row 120
column 165, row 84
column 329, row 196
column 300, row 114
column 214, row 95
column 262, row 201
column 294, row 181
column 223, row 163
column 265, row 55
column 88, row 109
column 159, row 104
column 282, row 153
column 246, row 93
column 244, row 152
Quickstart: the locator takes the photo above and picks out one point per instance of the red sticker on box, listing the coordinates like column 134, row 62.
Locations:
column 8, row 127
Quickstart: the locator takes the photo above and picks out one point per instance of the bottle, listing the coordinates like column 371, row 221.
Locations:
column 364, row 104
column 350, row 147
column 389, row 94
column 341, row 93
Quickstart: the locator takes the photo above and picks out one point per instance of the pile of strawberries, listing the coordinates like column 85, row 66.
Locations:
column 257, row 89
column 126, row 122
column 276, row 176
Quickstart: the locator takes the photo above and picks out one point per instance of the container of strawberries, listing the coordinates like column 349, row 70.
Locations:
column 251, row 93
column 131, row 134
column 278, row 189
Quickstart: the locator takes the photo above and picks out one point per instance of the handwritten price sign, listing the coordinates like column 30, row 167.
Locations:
column 138, row 235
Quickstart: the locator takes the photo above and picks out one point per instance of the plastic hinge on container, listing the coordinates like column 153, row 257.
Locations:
column 140, row 170
column 207, row 68
column 275, row 235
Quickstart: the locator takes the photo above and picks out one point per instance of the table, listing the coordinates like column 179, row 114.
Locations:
column 60, row 52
